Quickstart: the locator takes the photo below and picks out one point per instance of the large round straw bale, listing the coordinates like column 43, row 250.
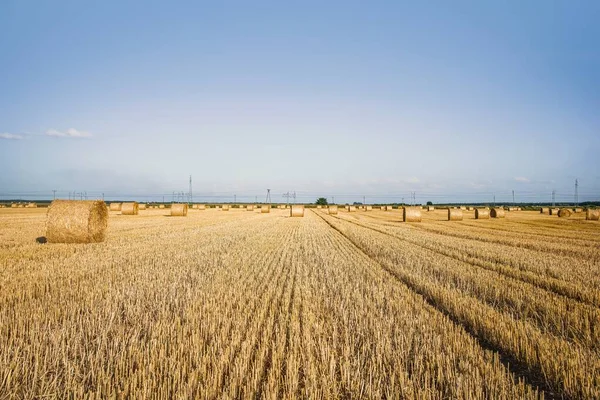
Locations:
column 318, row 206
column 129, row 208
column 249, row 207
column 201, row 207
column 411, row 214
column 482, row 213
column 430, row 208
column 553, row 211
column 76, row 221
column 297, row 210
column 470, row 208
column 497, row 213
column 368, row 208
column 455, row 215
column 578, row 210
column 463, row 208
column 332, row 210
column 564, row 213
column 32, row 205
column 225, row 207
column 14, row 205
column 544, row 210
column 115, row 206
column 265, row 208
column 161, row 206
column 179, row 210
column 142, row 206
column 351, row 208
column 592, row 215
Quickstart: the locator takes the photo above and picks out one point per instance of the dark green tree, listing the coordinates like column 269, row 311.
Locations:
column 321, row 201
column 429, row 203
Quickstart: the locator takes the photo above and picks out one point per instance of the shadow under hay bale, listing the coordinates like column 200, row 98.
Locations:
column 455, row 215
column 411, row 214
column 179, row 210
column 76, row 221
column 129, row 208
column 297, row 210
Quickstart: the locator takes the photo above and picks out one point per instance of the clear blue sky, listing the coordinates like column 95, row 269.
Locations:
column 452, row 100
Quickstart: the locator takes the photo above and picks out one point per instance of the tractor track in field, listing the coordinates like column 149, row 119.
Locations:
column 533, row 377
column 552, row 285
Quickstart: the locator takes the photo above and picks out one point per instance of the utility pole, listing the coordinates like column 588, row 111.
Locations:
column 234, row 199
column 494, row 200
column 364, row 201
column 268, row 199
column 553, row 198
column 255, row 199
column 332, row 200
column 191, row 196
column 513, row 197
column 102, row 196
column 576, row 192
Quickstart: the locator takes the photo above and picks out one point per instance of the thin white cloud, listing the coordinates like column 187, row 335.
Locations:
column 70, row 133
column 11, row 136
column 522, row 179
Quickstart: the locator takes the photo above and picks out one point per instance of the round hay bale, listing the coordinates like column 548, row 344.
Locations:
column 544, row 210
column 297, row 210
column 553, row 211
column 32, row 205
column 142, row 206
column 129, row 208
column 592, row 215
column 463, row 208
column 351, row 208
column 161, row 206
column 482, row 213
column 497, row 213
column 318, row 206
column 411, row 214
column 564, row 213
column 332, row 210
column 455, row 215
column 201, row 207
column 179, row 210
column 225, row 207
column 250, row 207
column 76, row 221
column 115, row 206
column 368, row 208
column 470, row 208
column 265, row 209
column 430, row 208
column 14, row 205
column 578, row 210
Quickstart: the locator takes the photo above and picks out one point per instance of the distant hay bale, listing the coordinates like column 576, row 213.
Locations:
column 482, row 213
column 455, row 215
column 368, row 208
column 564, row 213
column 287, row 206
column 430, row 208
column 201, row 206
column 332, row 210
column 592, row 215
column 265, row 209
column 553, row 211
column 161, row 206
column 297, row 210
column 249, row 207
column 318, row 206
column 179, row 210
column 76, row 221
column 463, row 208
column 386, row 208
column 351, row 209
column 544, row 210
column 411, row 214
column 115, row 206
column 470, row 208
column 32, row 205
column 142, row 206
column 497, row 213
column 578, row 210
column 129, row 208
column 225, row 207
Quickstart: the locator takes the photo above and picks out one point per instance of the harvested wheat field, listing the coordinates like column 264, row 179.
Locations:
column 261, row 305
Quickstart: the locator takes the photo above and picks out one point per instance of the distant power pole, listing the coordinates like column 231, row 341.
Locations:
column 191, row 196
column 332, row 200
column 268, row 199
column 513, row 197
column 102, row 196
column 255, row 199
column 553, row 198
column 234, row 198
column 54, row 194
column 576, row 192
column 364, row 201
column 494, row 200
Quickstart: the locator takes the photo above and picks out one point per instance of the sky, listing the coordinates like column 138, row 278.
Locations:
column 454, row 101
